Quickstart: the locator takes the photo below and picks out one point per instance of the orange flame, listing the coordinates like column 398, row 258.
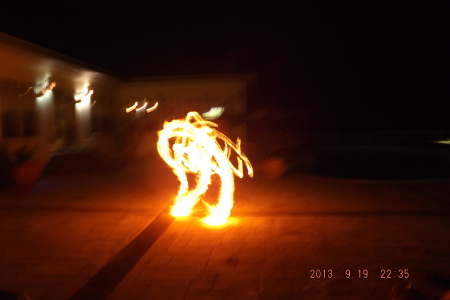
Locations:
column 196, row 150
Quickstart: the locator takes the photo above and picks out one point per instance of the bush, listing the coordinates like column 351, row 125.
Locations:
column 5, row 167
column 24, row 154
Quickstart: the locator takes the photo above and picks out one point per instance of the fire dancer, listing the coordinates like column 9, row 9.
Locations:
column 196, row 149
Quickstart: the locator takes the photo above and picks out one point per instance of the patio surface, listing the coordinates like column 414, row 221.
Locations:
column 69, row 229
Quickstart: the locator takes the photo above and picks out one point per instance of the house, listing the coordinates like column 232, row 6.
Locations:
column 52, row 100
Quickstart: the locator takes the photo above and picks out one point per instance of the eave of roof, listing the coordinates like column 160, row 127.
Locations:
column 249, row 77
column 21, row 44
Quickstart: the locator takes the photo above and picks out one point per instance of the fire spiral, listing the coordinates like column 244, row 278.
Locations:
column 192, row 146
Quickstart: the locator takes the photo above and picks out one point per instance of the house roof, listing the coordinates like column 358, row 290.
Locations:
column 249, row 77
column 57, row 58
column 17, row 43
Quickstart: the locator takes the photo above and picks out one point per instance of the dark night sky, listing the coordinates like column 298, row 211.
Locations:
column 375, row 66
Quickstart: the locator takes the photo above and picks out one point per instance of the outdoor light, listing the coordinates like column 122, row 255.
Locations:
column 149, row 110
column 50, row 87
column 213, row 113
column 83, row 96
column 40, row 89
column 195, row 149
column 131, row 108
column 445, row 142
column 44, row 87
column 142, row 108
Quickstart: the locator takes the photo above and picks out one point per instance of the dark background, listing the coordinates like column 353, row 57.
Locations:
column 366, row 66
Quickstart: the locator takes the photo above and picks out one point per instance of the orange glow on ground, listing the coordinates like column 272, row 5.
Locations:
column 192, row 146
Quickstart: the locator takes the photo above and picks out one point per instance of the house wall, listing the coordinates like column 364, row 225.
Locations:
column 188, row 94
column 23, row 66
column 98, row 118
column 31, row 117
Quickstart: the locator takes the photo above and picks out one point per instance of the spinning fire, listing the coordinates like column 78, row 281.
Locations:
column 193, row 146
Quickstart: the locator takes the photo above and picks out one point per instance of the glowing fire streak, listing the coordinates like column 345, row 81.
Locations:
column 196, row 150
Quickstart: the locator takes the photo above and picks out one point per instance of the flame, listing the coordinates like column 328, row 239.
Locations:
column 196, row 150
